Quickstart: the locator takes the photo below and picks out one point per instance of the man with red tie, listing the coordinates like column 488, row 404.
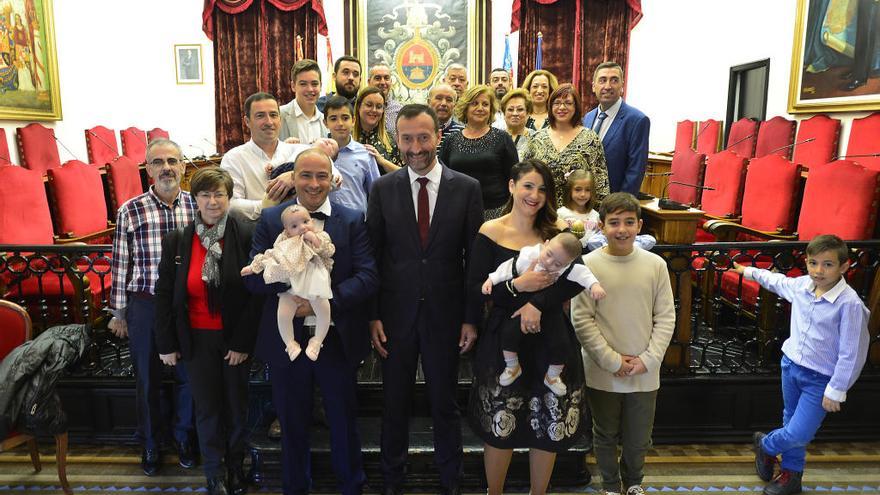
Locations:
column 422, row 220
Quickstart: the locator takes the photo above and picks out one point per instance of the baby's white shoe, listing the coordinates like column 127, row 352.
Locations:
column 293, row 349
column 313, row 348
column 555, row 385
column 509, row 375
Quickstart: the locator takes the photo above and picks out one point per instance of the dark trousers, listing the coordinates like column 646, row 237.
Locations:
column 140, row 317
column 866, row 37
column 439, row 351
column 292, row 393
column 552, row 336
column 221, row 400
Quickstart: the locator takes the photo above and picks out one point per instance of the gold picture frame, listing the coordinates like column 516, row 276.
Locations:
column 413, row 31
column 29, row 86
column 188, row 67
column 824, row 53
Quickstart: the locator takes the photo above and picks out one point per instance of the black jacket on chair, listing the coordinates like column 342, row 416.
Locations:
column 240, row 309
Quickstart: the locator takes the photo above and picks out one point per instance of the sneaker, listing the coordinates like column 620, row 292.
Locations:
column 787, row 483
column 764, row 464
column 556, row 386
column 509, row 375
column 635, row 490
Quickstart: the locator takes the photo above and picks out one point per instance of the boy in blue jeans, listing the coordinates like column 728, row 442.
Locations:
column 822, row 357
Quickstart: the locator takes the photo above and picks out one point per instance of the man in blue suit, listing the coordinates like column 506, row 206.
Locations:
column 354, row 279
column 622, row 129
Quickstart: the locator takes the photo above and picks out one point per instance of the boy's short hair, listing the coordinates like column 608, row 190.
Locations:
column 570, row 243
column 829, row 242
column 620, row 202
column 336, row 102
column 304, row 65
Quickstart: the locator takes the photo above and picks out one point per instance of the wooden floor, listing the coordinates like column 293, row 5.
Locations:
column 832, row 467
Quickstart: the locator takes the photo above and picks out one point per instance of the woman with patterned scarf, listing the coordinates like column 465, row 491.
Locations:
column 205, row 321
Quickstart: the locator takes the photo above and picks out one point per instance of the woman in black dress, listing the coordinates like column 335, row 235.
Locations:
column 480, row 150
column 524, row 414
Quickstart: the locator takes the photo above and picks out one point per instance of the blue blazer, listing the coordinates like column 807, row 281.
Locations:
column 626, row 147
column 354, row 279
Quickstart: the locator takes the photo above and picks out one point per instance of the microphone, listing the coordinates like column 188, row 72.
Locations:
column 203, row 156
column 212, row 144
column 750, row 136
column 700, row 131
column 115, row 152
column 792, row 144
column 645, row 196
column 658, row 174
column 867, row 155
column 668, row 204
column 65, row 147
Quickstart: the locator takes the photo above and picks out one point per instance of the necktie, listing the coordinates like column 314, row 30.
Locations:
column 424, row 213
column 597, row 126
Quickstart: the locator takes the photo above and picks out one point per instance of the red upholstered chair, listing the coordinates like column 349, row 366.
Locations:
column 864, row 141
column 688, row 167
column 725, row 172
column 742, row 138
column 157, row 133
column 37, row 149
column 24, row 210
column 775, row 136
column 708, row 138
column 825, row 134
column 5, row 159
column 15, row 329
column 134, row 144
column 101, row 144
column 685, row 131
column 123, row 181
column 78, row 202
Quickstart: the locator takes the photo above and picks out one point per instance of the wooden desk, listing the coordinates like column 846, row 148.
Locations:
column 654, row 184
column 675, row 227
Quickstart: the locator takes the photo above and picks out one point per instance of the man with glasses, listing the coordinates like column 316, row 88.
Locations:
column 140, row 225
column 622, row 129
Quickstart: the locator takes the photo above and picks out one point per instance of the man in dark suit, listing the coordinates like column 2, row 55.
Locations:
column 622, row 129
column 353, row 280
column 422, row 220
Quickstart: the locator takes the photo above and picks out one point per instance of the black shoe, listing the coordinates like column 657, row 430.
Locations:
column 216, row 486
column 391, row 490
column 185, row 455
column 787, row 483
column 236, row 482
column 855, row 84
column 764, row 463
column 150, row 461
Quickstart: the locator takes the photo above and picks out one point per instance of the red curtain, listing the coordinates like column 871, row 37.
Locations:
column 253, row 51
column 573, row 45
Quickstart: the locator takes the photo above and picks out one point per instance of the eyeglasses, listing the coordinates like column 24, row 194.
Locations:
column 158, row 162
column 208, row 195
column 559, row 103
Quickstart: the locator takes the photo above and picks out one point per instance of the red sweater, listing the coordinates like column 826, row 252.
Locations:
column 197, row 291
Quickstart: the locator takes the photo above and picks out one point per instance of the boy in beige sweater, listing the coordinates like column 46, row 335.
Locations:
column 624, row 339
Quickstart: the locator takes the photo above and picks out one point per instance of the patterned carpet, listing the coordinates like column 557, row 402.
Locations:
column 726, row 468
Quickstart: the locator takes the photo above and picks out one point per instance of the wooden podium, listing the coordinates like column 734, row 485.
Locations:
column 675, row 227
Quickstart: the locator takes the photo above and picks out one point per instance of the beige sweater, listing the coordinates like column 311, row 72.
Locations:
column 637, row 318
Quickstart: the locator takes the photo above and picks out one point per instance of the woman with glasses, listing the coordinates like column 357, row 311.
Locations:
column 369, row 129
column 567, row 145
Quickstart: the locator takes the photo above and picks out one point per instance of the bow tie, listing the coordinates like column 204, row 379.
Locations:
column 318, row 215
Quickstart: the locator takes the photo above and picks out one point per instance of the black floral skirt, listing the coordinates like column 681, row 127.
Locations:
column 526, row 414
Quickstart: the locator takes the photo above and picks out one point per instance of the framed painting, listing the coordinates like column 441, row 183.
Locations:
column 28, row 62
column 835, row 62
column 188, row 64
column 418, row 40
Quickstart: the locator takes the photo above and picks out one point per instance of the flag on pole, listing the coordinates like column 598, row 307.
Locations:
column 331, row 81
column 507, row 64
column 298, row 49
column 539, row 51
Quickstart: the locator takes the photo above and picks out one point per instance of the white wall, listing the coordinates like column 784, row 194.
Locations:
column 116, row 68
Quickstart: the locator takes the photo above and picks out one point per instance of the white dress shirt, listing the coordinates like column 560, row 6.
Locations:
column 611, row 113
column 433, row 186
column 247, row 166
column 295, row 123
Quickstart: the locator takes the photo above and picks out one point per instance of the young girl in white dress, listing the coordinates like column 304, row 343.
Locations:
column 302, row 258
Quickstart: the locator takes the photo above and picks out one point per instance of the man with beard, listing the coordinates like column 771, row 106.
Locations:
column 137, row 248
column 300, row 118
column 380, row 77
column 442, row 99
column 347, row 76
column 422, row 220
column 499, row 81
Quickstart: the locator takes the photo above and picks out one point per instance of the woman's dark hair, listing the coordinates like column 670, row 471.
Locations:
column 563, row 90
column 545, row 220
column 210, row 179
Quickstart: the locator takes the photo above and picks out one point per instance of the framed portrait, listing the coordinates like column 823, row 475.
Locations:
column 418, row 40
column 835, row 64
column 28, row 62
column 188, row 64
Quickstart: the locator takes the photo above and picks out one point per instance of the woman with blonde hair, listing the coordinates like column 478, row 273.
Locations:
column 484, row 152
column 540, row 84
column 369, row 129
column 516, row 107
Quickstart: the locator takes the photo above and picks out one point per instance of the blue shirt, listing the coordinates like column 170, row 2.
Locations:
column 829, row 334
column 358, row 170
